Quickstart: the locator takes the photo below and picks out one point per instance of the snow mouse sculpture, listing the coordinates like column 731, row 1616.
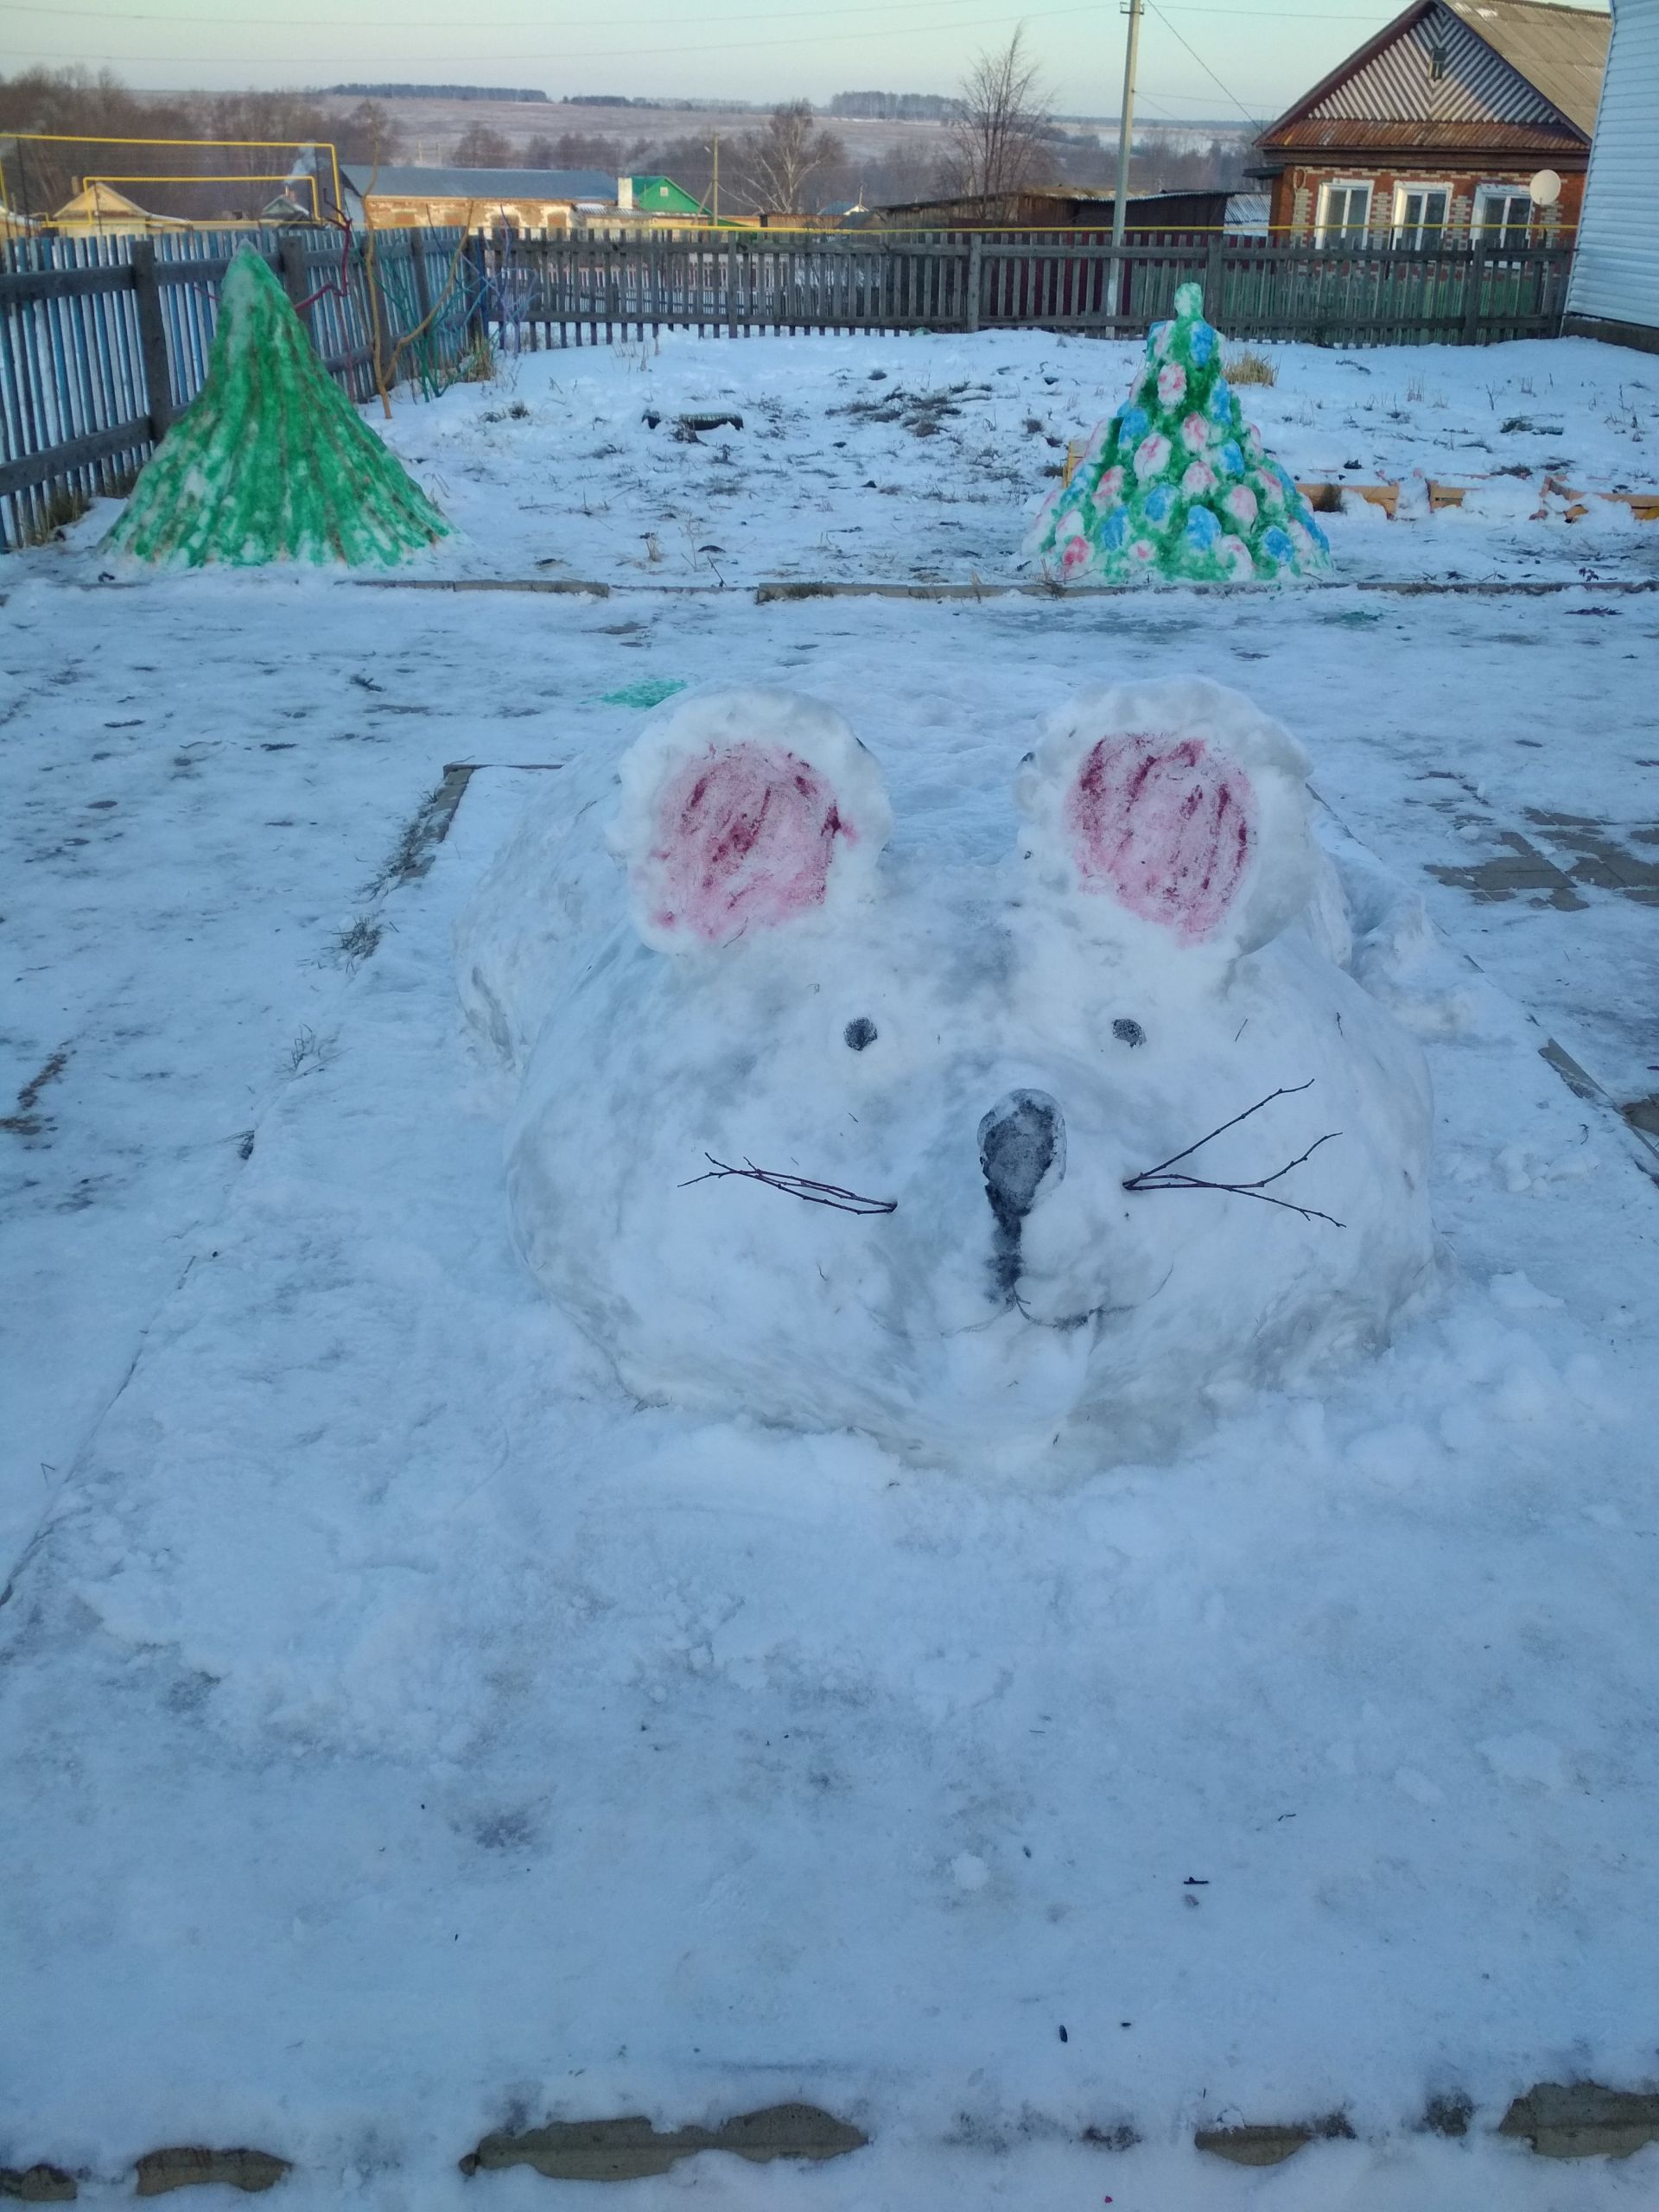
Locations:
column 954, row 1155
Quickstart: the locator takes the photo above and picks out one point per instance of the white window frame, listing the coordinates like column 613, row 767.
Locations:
column 1411, row 234
column 1485, row 193
column 1346, row 232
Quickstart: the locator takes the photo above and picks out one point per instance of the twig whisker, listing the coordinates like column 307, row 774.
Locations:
column 796, row 1186
column 1168, row 1175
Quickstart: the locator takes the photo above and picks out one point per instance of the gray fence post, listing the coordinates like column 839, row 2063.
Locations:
column 1213, row 308
column 1474, row 281
column 474, row 255
column 152, row 338
column 975, row 268
column 383, row 332
column 422, row 278
column 296, row 266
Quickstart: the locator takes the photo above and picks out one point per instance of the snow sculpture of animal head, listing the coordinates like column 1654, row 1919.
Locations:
column 836, row 1138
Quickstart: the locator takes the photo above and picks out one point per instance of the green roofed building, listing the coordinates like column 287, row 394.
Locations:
column 660, row 195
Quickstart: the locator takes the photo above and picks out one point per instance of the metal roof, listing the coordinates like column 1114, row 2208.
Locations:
column 1563, row 51
column 396, row 183
column 1447, row 68
column 1338, row 134
column 1076, row 196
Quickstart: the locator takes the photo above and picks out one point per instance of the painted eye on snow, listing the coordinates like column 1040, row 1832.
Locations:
column 1128, row 1032
column 860, row 1033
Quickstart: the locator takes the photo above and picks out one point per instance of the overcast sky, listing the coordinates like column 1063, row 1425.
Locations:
column 1227, row 57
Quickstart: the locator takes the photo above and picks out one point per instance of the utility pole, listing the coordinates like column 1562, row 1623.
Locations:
column 714, row 189
column 1125, row 132
column 1126, row 123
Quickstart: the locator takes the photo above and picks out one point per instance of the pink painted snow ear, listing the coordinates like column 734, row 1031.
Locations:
column 743, row 812
column 1166, row 826
column 1178, row 804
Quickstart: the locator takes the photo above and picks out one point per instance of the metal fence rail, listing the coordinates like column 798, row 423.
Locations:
column 103, row 340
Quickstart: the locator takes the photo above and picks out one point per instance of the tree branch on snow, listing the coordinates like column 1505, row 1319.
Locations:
column 1168, row 1176
column 797, row 1186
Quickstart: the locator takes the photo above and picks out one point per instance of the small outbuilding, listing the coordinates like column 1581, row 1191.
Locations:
column 398, row 196
column 1055, row 207
column 1614, row 292
column 658, row 195
column 97, row 210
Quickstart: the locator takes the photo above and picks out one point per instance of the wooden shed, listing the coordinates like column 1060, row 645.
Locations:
column 97, row 210
column 1055, row 207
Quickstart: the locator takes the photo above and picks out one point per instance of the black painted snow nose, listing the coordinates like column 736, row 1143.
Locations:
column 1021, row 1140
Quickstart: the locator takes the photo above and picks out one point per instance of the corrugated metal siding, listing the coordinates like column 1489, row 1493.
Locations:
column 1562, row 52
column 1479, row 85
column 1615, row 274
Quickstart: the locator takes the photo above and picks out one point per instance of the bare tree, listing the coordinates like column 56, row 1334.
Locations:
column 481, row 148
column 998, row 139
column 367, row 132
column 776, row 163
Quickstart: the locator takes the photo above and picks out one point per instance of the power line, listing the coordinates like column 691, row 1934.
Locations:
column 1203, row 64
column 1279, row 15
column 560, row 58
column 565, row 55
column 327, row 22
column 331, row 23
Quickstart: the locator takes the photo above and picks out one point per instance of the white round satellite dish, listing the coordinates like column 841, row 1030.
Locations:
column 1545, row 188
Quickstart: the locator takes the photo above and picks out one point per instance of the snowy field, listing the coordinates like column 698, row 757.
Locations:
column 407, row 1736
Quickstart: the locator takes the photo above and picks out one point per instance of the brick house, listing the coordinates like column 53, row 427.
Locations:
column 1431, row 131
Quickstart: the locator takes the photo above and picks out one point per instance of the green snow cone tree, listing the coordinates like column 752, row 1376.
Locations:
column 270, row 461
column 1176, row 488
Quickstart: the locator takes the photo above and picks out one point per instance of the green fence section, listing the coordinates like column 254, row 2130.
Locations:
column 560, row 290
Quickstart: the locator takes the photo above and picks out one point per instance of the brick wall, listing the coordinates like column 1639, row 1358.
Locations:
column 1296, row 197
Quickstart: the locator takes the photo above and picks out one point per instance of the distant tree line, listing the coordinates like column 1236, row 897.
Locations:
column 895, row 107
column 621, row 99
column 1001, row 136
column 437, row 92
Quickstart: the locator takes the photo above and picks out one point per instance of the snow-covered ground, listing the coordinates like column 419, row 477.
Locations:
column 921, row 458
column 406, row 1736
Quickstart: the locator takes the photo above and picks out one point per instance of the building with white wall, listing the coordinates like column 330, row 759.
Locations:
column 1614, row 291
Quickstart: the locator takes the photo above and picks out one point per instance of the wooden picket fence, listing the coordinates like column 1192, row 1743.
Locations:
column 561, row 290
column 103, row 340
